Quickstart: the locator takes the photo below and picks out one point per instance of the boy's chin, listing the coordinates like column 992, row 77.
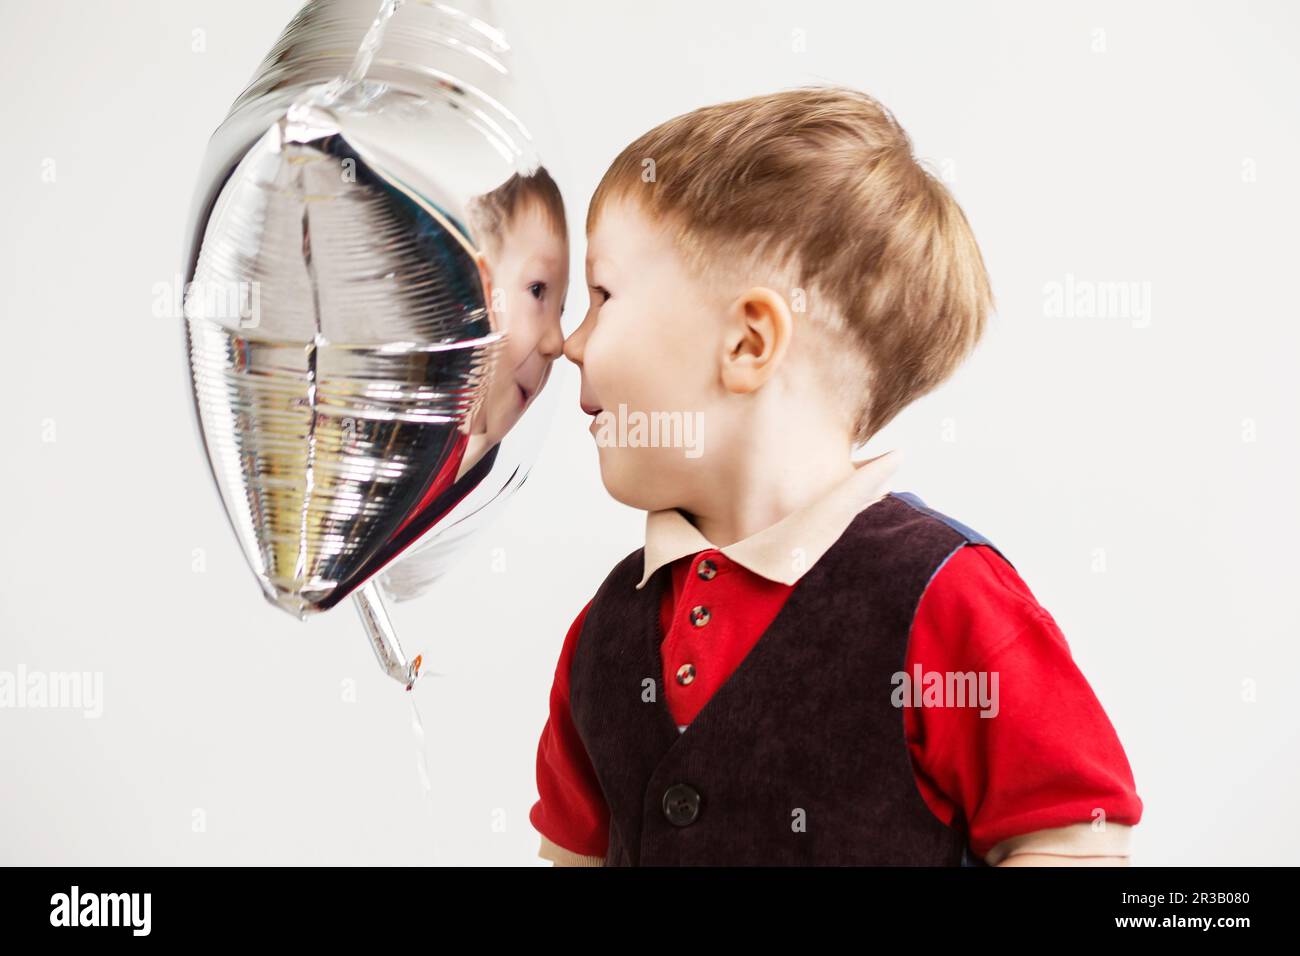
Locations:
column 629, row 483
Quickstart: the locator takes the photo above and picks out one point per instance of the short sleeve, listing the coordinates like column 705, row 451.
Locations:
column 1039, row 753
column 570, row 812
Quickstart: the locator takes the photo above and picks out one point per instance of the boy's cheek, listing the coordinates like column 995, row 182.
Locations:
column 599, row 360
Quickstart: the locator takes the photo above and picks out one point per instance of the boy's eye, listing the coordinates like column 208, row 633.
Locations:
column 538, row 289
column 603, row 292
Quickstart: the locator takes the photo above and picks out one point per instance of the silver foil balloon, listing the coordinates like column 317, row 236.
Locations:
column 355, row 367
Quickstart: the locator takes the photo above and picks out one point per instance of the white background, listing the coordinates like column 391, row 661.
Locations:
column 1169, row 157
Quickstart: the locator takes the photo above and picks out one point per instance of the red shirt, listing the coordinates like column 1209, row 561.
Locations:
column 1049, row 759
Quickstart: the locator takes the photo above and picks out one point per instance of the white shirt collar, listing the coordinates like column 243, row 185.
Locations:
column 784, row 551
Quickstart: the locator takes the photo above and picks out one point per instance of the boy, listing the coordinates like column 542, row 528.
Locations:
column 739, row 690
column 522, row 240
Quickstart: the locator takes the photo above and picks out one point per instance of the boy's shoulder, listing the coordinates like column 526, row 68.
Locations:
column 919, row 507
column 974, row 585
column 960, row 571
column 901, row 528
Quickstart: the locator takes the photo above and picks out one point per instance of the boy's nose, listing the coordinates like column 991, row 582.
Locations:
column 573, row 346
column 552, row 343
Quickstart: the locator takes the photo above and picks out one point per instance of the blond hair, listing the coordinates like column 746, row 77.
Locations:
column 491, row 213
column 819, row 185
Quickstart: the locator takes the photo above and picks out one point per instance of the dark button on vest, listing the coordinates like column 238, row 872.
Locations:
column 773, row 771
column 681, row 804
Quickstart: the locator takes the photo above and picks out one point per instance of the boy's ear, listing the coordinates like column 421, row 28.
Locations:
column 755, row 339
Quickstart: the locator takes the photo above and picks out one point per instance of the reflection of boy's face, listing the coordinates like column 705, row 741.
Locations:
column 529, row 270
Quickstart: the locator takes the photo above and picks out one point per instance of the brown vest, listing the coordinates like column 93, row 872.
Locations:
column 799, row 758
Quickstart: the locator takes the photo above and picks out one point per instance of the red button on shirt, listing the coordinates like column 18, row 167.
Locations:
column 1049, row 759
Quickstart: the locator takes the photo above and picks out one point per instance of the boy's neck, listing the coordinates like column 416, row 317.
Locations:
column 757, row 490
